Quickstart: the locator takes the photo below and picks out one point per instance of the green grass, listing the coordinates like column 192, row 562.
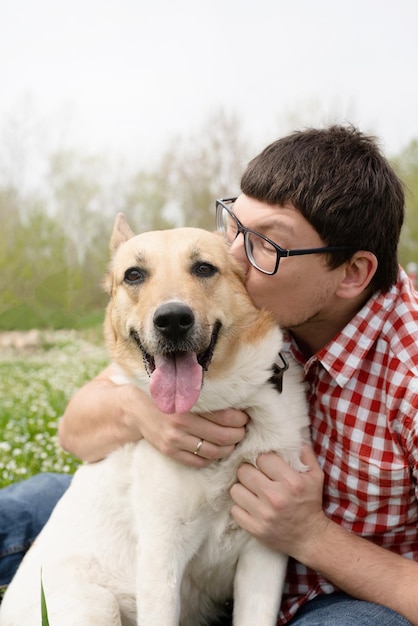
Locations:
column 35, row 386
column 44, row 608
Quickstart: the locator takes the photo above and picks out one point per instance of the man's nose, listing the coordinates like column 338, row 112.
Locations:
column 238, row 252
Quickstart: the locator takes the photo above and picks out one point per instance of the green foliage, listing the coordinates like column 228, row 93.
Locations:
column 406, row 165
column 36, row 383
column 54, row 241
column 42, row 284
column 44, row 609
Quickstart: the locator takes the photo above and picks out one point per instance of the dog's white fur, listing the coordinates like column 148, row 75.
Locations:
column 142, row 539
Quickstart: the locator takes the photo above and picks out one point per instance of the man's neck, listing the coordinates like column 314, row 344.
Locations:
column 316, row 333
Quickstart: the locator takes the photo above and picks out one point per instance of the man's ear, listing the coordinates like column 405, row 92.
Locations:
column 358, row 274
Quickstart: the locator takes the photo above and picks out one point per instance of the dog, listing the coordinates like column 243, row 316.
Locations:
column 140, row 538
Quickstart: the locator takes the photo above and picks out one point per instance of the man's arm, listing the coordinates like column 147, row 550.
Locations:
column 283, row 509
column 100, row 417
column 103, row 416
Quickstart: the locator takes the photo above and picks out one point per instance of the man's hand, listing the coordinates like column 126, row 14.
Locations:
column 179, row 435
column 278, row 505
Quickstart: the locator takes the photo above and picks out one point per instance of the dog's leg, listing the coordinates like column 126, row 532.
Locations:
column 158, row 587
column 166, row 504
column 88, row 606
column 162, row 563
column 76, row 602
column 258, row 585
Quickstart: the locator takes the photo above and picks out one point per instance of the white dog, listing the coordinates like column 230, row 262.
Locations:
column 140, row 538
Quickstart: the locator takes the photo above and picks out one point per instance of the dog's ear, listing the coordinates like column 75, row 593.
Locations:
column 121, row 232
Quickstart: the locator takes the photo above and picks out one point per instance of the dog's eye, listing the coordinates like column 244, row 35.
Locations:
column 204, row 270
column 134, row 276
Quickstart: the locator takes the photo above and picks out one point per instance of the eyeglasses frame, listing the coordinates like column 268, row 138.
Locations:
column 281, row 253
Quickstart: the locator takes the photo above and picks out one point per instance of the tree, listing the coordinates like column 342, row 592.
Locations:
column 33, row 253
column 146, row 202
column 205, row 166
column 54, row 236
column 406, row 164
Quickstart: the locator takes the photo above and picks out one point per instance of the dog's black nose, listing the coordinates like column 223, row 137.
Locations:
column 173, row 319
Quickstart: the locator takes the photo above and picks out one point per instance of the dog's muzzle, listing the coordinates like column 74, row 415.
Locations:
column 177, row 364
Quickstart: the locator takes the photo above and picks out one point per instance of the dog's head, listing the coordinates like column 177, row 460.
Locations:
column 178, row 308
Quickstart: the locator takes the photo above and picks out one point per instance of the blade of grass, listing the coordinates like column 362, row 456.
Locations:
column 44, row 610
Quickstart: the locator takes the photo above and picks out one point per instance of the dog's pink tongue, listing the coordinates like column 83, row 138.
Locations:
column 176, row 382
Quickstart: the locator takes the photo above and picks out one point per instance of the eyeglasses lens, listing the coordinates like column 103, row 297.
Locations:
column 259, row 251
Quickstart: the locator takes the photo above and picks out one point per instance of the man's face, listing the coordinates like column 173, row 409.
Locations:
column 303, row 289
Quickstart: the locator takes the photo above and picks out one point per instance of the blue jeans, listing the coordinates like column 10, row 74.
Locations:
column 24, row 509
column 339, row 609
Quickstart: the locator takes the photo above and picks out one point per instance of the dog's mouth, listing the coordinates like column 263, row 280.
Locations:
column 176, row 376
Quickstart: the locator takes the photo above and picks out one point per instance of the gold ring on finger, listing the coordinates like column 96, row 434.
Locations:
column 199, row 445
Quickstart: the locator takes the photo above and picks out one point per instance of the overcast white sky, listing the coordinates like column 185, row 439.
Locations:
column 125, row 75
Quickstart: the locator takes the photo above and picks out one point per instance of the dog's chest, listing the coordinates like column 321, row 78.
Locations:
column 197, row 500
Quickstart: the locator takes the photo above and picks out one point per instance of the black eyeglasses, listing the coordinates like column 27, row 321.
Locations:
column 262, row 252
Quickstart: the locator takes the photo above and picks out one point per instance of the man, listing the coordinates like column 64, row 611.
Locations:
column 349, row 523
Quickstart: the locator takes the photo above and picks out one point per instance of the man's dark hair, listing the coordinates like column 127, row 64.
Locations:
column 342, row 184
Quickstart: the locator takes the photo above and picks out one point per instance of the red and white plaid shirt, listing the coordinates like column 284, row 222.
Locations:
column 363, row 395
